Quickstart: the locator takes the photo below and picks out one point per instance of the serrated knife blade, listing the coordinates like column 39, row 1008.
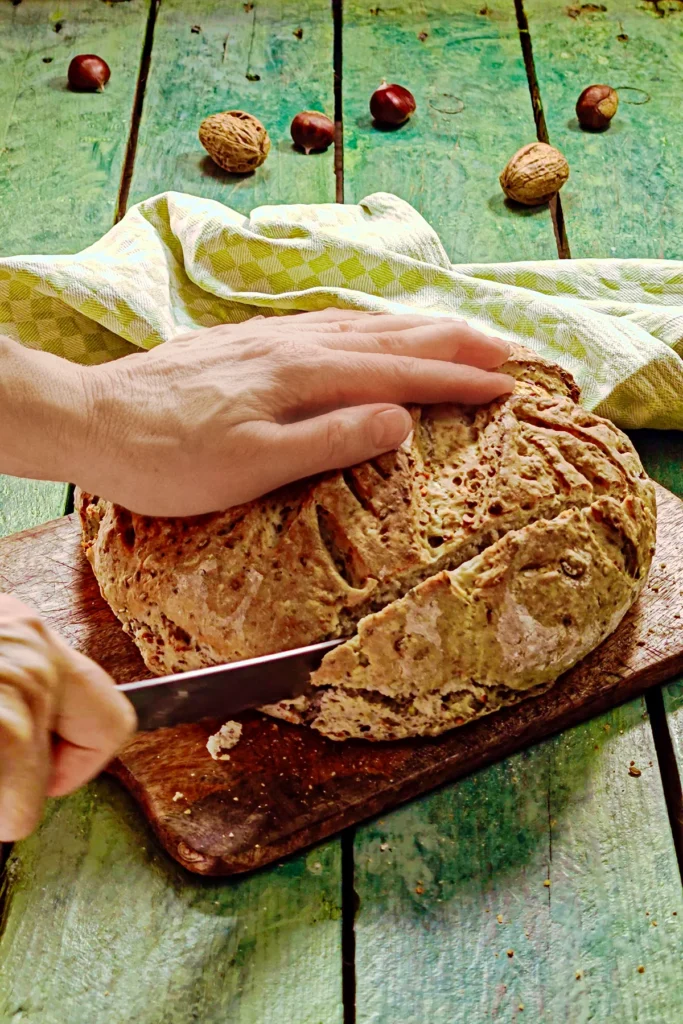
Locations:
column 222, row 691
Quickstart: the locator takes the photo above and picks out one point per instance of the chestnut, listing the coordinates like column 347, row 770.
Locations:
column 596, row 106
column 312, row 131
column 392, row 104
column 88, row 72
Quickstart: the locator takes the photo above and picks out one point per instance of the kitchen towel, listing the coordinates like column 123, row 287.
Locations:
column 176, row 263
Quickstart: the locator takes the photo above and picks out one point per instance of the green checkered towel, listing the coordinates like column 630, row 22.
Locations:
column 177, row 262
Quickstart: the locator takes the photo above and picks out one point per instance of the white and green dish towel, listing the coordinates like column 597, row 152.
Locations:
column 177, row 262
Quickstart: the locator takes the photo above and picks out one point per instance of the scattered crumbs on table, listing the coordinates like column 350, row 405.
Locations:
column 192, row 774
column 632, row 763
column 487, row 910
column 647, row 913
column 521, row 1006
column 662, row 565
column 177, row 796
column 677, row 615
column 231, row 835
column 384, row 847
column 298, row 32
column 635, row 772
column 419, row 890
column 511, row 953
column 332, row 775
column 674, row 913
column 499, row 918
column 579, row 975
column 526, row 935
column 596, row 747
column 236, row 799
column 649, row 764
column 607, row 727
column 547, row 883
column 653, row 923
column 310, row 787
column 257, row 846
column 641, row 969
column 188, row 810
column 195, row 29
column 107, row 992
column 495, row 954
column 422, row 36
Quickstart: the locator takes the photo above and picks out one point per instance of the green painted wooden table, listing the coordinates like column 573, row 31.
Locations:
column 440, row 911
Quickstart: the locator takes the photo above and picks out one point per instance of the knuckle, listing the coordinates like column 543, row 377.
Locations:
column 335, row 439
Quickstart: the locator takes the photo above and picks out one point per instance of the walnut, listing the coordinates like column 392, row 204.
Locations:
column 534, row 174
column 235, row 140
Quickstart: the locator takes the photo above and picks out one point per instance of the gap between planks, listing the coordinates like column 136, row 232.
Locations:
column 555, row 204
column 668, row 768
column 136, row 113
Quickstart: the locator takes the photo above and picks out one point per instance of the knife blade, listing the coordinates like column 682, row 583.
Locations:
column 222, row 691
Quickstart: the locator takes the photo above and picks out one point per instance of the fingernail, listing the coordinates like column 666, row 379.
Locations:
column 390, row 427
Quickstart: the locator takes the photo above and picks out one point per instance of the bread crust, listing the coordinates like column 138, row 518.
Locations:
column 491, row 552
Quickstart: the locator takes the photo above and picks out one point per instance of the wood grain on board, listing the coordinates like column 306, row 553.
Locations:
column 286, row 787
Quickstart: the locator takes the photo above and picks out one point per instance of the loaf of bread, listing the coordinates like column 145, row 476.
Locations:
column 469, row 569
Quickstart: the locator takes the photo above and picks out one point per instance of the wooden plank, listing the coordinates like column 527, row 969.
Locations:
column 662, row 455
column 563, row 809
column 214, row 56
column 61, row 152
column 58, row 188
column 623, row 197
column 453, row 882
column 132, row 937
column 445, row 160
column 24, row 503
column 101, row 927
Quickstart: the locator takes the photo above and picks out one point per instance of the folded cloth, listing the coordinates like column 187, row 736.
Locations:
column 176, row 263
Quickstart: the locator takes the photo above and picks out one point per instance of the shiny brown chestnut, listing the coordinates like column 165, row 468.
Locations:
column 596, row 106
column 312, row 131
column 88, row 72
column 392, row 104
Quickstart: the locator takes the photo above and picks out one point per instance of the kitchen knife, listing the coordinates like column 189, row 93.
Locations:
column 222, row 691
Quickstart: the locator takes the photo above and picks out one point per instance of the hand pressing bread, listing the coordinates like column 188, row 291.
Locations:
column 224, row 415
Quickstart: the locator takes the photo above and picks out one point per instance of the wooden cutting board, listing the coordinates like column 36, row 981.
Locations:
column 287, row 787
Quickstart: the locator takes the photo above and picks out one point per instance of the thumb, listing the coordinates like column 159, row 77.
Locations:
column 335, row 440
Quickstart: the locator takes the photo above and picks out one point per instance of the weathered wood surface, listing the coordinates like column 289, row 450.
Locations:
column 424, row 985
column 58, row 188
column 457, row 921
column 624, row 196
column 132, row 937
column 624, row 849
column 213, row 56
column 463, row 62
column 285, row 787
column 100, row 927
column 62, row 152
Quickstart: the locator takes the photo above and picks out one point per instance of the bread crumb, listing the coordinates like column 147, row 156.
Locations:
column 579, row 975
column 547, row 883
column 635, row 772
column 511, row 952
column 178, row 796
column 227, row 737
column 641, row 969
column 188, row 810
column 499, row 918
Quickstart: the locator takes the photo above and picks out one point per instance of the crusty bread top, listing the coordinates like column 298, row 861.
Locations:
column 306, row 563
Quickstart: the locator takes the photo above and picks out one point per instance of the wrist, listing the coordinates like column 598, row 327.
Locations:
column 43, row 413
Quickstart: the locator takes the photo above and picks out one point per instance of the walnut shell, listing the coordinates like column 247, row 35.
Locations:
column 534, row 174
column 235, row 140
